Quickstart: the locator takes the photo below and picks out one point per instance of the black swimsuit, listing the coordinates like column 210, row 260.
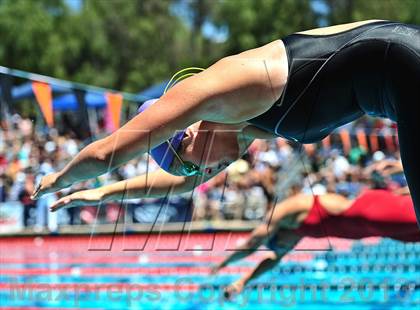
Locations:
column 334, row 79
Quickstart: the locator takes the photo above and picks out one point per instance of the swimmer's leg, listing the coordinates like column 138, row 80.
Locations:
column 408, row 134
column 404, row 91
column 402, row 96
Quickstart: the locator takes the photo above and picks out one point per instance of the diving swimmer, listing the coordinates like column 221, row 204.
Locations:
column 300, row 88
column 328, row 215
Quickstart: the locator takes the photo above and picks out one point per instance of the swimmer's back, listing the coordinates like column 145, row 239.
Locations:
column 374, row 213
column 336, row 77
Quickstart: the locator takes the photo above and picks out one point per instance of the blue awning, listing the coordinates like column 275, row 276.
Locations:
column 69, row 101
column 25, row 91
column 154, row 91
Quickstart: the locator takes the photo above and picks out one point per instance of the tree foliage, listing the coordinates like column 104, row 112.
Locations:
column 254, row 23
column 342, row 11
column 120, row 44
column 131, row 44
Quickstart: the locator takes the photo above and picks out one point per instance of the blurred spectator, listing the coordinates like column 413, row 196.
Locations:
column 29, row 205
column 244, row 190
column 339, row 163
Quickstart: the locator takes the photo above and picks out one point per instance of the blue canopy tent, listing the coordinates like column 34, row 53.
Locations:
column 71, row 96
column 25, row 91
column 154, row 91
column 98, row 100
column 69, row 101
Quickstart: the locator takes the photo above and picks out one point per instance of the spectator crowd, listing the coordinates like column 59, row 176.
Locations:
column 270, row 171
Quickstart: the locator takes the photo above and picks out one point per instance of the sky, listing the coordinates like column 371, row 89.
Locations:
column 209, row 30
column 74, row 4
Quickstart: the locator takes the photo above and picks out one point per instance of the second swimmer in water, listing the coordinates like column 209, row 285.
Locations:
column 328, row 215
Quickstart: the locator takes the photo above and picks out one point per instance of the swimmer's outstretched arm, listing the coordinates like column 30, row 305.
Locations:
column 155, row 184
column 266, row 230
column 265, row 265
column 268, row 263
column 257, row 238
column 232, row 90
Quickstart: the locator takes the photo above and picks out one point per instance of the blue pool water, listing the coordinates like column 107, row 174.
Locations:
column 385, row 275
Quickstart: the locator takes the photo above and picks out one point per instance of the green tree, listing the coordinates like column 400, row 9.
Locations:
column 342, row 11
column 201, row 11
column 121, row 44
column 133, row 47
column 252, row 23
column 29, row 39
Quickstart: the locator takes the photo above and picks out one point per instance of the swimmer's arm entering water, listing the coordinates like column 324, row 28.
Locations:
column 294, row 206
column 259, row 236
column 268, row 263
column 290, row 207
column 265, row 265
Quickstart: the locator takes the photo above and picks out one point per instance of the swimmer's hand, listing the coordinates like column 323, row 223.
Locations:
column 49, row 184
column 88, row 197
column 234, row 289
column 215, row 269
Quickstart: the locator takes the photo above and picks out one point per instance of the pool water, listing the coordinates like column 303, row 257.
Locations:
column 74, row 273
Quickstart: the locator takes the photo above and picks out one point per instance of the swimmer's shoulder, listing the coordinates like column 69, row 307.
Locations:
column 301, row 202
column 338, row 28
column 335, row 203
